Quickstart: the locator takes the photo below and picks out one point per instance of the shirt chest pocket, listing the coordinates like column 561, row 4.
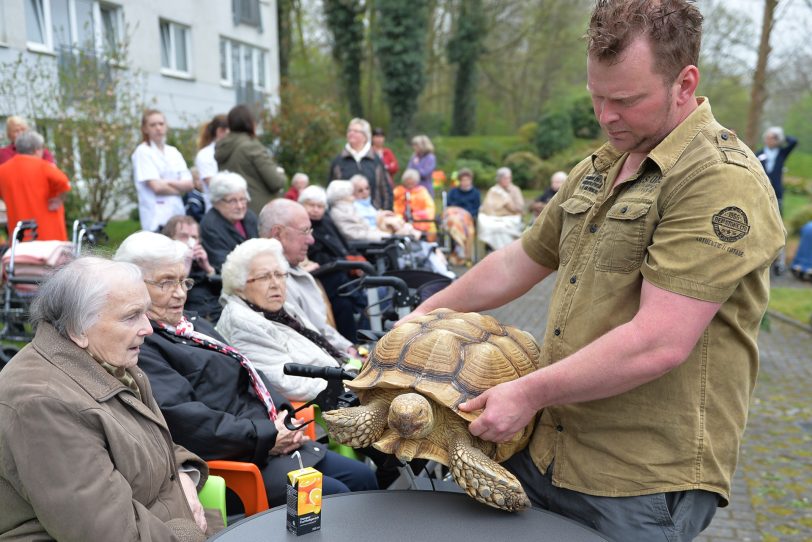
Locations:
column 623, row 237
column 575, row 213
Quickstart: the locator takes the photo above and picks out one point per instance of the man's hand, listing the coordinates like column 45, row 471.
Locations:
column 507, row 410
column 202, row 258
column 190, row 491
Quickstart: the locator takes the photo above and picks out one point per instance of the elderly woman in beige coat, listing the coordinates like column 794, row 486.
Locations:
column 258, row 321
column 500, row 217
column 86, row 453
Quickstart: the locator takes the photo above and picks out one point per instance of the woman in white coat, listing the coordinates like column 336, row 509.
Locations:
column 257, row 321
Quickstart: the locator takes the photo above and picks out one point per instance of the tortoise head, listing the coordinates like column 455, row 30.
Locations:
column 411, row 416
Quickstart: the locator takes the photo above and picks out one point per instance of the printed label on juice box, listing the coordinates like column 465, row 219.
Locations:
column 304, row 500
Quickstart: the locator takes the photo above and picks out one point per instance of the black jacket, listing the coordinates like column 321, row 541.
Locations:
column 329, row 244
column 344, row 167
column 219, row 236
column 208, row 401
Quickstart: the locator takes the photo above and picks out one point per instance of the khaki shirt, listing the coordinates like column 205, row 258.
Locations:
column 700, row 219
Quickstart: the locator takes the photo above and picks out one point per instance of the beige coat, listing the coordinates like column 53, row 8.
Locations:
column 81, row 458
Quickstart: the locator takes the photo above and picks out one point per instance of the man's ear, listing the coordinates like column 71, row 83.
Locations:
column 687, row 81
column 276, row 231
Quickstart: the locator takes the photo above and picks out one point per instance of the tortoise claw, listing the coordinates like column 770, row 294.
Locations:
column 486, row 480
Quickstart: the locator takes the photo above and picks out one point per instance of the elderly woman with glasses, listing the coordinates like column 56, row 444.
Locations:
column 85, row 453
column 229, row 222
column 214, row 399
column 257, row 320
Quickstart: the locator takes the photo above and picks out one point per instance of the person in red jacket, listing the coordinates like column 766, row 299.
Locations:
column 14, row 127
column 34, row 188
column 390, row 162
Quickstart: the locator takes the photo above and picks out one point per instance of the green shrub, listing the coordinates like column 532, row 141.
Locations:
column 527, row 131
column 480, row 155
column 798, row 219
column 554, row 133
column 526, row 168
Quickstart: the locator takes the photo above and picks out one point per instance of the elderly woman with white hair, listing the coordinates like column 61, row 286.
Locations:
column 330, row 245
column 257, row 320
column 352, row 225
column 358, row 157
column 499, row 222
column 215, row 401
column 229, row 222
column 86, row 453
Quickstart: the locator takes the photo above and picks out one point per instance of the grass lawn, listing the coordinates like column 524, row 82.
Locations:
column 793, row 302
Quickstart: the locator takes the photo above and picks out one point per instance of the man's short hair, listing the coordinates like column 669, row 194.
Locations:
column 171, row 226
column 672, row 27
column 29, row 142
column 277, row 212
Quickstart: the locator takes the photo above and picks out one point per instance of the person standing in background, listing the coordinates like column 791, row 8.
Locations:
column 33, row 189
column 772, row 156
column 390, row 161
column 358, row 157
column 160, row 174
column 424, row 161
column 215, row 130
column 241, row 152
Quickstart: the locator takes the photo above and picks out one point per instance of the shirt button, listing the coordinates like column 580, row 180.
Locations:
column 172, row 477
column 573, row 279
column 624, row 209
column 559, row 428
column 556, row 332
column 724, row 136
column 593, row 228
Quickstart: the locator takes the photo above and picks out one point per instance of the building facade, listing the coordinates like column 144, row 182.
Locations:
column 196, row 58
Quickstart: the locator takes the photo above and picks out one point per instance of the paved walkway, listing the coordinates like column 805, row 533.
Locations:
column 772, row 488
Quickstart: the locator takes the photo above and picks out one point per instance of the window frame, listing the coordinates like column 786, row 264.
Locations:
column 172, row 70
column 257, row 54
column 49, row 45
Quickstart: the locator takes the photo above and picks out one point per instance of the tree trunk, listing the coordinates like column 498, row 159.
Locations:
column 758, row 93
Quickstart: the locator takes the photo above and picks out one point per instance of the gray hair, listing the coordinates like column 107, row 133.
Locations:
column 423, row 143
column 503, row 172
column 235, row 268
column 29, row 142
column 339, row 190
column 299, row 176
column 277, row 212
column 364, row 125
column 410, row 173
column 778, row 132
column 150, row 250
column 73, row 297
column 358, row 178
column 313, row 193
column 225, row 183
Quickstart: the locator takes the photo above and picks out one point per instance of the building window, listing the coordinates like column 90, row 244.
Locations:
column 2, row 23
column 247, row 12
column 175, row 47
column 63, row 25
column 243, row 65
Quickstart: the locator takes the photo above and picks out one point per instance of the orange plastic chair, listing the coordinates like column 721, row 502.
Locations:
column 306, row 414
column 245, row 480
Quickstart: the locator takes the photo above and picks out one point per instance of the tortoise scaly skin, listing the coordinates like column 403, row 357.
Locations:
column 410, row 388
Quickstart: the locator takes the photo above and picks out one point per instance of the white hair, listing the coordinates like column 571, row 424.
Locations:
column 339, row 190
column 225, row 183
column 277, row 212
column 503, row 172
column 73, row 298
column 29, row 142
column 358, row 178
column 150, row 250
column 778, row 132
column 299, row 176
column 364, row 125
column 410, row 173
column 235, row 268
column 313, row 193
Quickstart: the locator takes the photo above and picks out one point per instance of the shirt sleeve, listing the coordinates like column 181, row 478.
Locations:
column 716, row 229
column 144, row 167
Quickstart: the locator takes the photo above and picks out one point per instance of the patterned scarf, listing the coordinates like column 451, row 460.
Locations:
column 282, row 317
column 121, row 374
column 186, row 329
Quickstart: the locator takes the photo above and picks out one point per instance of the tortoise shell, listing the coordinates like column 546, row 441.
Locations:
column 449, row 357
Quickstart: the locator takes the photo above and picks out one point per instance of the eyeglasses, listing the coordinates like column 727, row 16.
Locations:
column 303, row 231
column 267, row 277
column 167, row 286
column 231, row 202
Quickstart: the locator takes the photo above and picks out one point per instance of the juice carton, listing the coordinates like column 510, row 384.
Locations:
column 304, row 500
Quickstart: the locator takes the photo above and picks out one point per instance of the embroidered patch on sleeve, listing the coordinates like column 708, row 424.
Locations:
column 730, row 224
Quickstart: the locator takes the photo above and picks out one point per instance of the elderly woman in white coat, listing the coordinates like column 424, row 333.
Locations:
column 257, row 320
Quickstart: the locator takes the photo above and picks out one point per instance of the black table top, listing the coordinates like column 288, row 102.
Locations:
column 413, row 516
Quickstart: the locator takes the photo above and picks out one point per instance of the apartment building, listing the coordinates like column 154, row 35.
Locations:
column 196, row 57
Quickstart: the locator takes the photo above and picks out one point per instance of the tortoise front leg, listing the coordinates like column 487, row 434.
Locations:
column 483, row 478
column 359, row 426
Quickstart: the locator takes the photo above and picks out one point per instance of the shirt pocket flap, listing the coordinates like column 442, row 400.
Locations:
column 628, row 211
column 576, row 206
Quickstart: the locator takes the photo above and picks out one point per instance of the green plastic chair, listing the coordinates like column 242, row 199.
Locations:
column 213, row 495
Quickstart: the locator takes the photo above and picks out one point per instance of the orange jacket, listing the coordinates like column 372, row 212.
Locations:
column 27, row 182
